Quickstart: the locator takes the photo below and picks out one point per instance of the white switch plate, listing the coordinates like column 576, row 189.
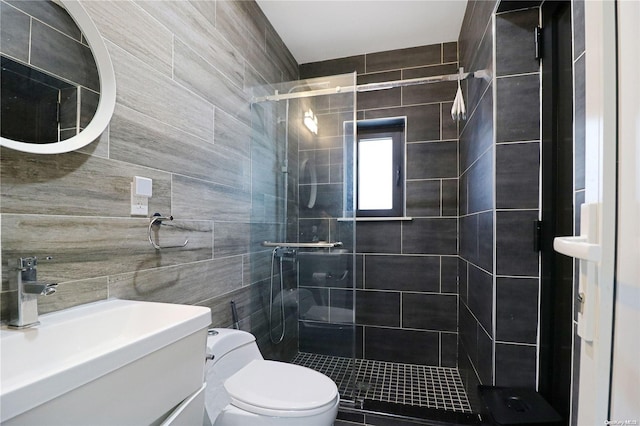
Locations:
column 142, row 186
column 139, row 204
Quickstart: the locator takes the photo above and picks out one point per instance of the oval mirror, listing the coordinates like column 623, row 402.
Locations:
column 58, row 84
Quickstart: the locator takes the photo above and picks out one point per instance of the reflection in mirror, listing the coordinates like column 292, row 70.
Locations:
column 50, row 86
column 57, row 78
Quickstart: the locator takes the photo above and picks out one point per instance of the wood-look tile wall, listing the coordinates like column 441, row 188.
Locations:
column 184, row 70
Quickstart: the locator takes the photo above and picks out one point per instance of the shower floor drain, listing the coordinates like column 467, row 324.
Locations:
column 408, row 384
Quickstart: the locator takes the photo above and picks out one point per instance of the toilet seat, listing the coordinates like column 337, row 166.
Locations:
column 278, row 389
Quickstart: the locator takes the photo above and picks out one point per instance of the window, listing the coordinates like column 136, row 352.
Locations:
column 380, row 168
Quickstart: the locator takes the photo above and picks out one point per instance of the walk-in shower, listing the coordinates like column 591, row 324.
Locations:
column 306, row 257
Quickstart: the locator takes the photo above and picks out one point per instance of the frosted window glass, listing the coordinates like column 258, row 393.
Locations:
column 375, row 174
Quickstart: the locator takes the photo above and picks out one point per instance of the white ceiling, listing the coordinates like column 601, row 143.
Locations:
column 317, row 30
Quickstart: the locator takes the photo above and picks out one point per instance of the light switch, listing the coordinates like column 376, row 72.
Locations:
column 141, row 190
column 143, row 186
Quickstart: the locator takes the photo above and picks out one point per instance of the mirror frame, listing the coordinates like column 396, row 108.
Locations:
column 107, row 102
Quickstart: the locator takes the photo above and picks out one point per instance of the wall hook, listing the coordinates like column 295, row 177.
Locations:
column 156, row 220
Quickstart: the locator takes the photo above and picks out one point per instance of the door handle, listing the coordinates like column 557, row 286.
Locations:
column 577, row 247
column 588, row 252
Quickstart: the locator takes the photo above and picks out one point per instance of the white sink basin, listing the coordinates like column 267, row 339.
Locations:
column 78, row 346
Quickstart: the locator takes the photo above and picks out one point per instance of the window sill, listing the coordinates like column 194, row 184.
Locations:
column 376, row 219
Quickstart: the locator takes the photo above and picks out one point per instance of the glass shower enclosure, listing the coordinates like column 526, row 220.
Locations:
column 302, row 227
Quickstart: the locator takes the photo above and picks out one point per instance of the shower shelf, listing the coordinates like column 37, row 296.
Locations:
column 319, row 244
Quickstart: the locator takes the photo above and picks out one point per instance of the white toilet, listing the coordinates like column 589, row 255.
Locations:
column 244, row 389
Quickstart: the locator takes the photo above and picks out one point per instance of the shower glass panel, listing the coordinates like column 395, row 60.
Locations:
column 302, row 227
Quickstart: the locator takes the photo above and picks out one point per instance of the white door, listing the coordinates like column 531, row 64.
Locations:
column 625, row 385
column 596, row 246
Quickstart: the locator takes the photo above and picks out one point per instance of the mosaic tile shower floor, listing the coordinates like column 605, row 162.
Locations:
column 408, row 384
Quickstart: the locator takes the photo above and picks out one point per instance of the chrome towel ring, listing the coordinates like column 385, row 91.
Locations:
column 156, row 220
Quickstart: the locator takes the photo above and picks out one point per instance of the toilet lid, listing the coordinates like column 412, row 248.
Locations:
column 278, row 388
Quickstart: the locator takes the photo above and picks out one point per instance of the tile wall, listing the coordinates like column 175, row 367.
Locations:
column 499, row 198
column 517, row 162
column 183, row 72
column 477, row 201
column 406, row 301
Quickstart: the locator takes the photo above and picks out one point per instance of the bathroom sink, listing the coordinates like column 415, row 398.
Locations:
column 113, row 353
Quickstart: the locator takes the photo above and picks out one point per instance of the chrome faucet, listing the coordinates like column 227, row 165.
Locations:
column 29, row 288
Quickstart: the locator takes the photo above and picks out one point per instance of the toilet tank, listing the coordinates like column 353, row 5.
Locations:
column 231, row 350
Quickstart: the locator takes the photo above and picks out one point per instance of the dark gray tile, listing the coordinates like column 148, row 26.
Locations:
column 450, row 52
column 469, row 237
column 405, row 346
column 515, row 365
column 62, row 56
column 449, row 350
column 328, row 202
column 429, row 93
column 476, row 20
column 378, row 237
column 332, row 67
column 517, row 175
column 463, row 194
column 380, row 98
column 463, row 282
column 51, row 14
column 477, row 135
column 331, row 125
column 341, row 301
column 480, row 191
column 481, row 296
column 578, row 27
column 310, row 230
column 470, row 379
column 515, row 42
column 404, row 273
column 468, row 333
column 430, row 236
column 429, row 311
column 449, row 274
column 68, row 112
column 432, row 160
column 88, row 106
column 515, row 255
column 423, row 121
column 429, row 71
column 579, row 122
column 423, row 198
column 66, row 134
column 378, row 308
column 477, row 87
column 404, row 58
column 484, row 257
column 14, row 32
column 517, row 309
column 484, row 362
column 330, row 339
column 449, row 127
column 450, row 197
column 518, row 108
